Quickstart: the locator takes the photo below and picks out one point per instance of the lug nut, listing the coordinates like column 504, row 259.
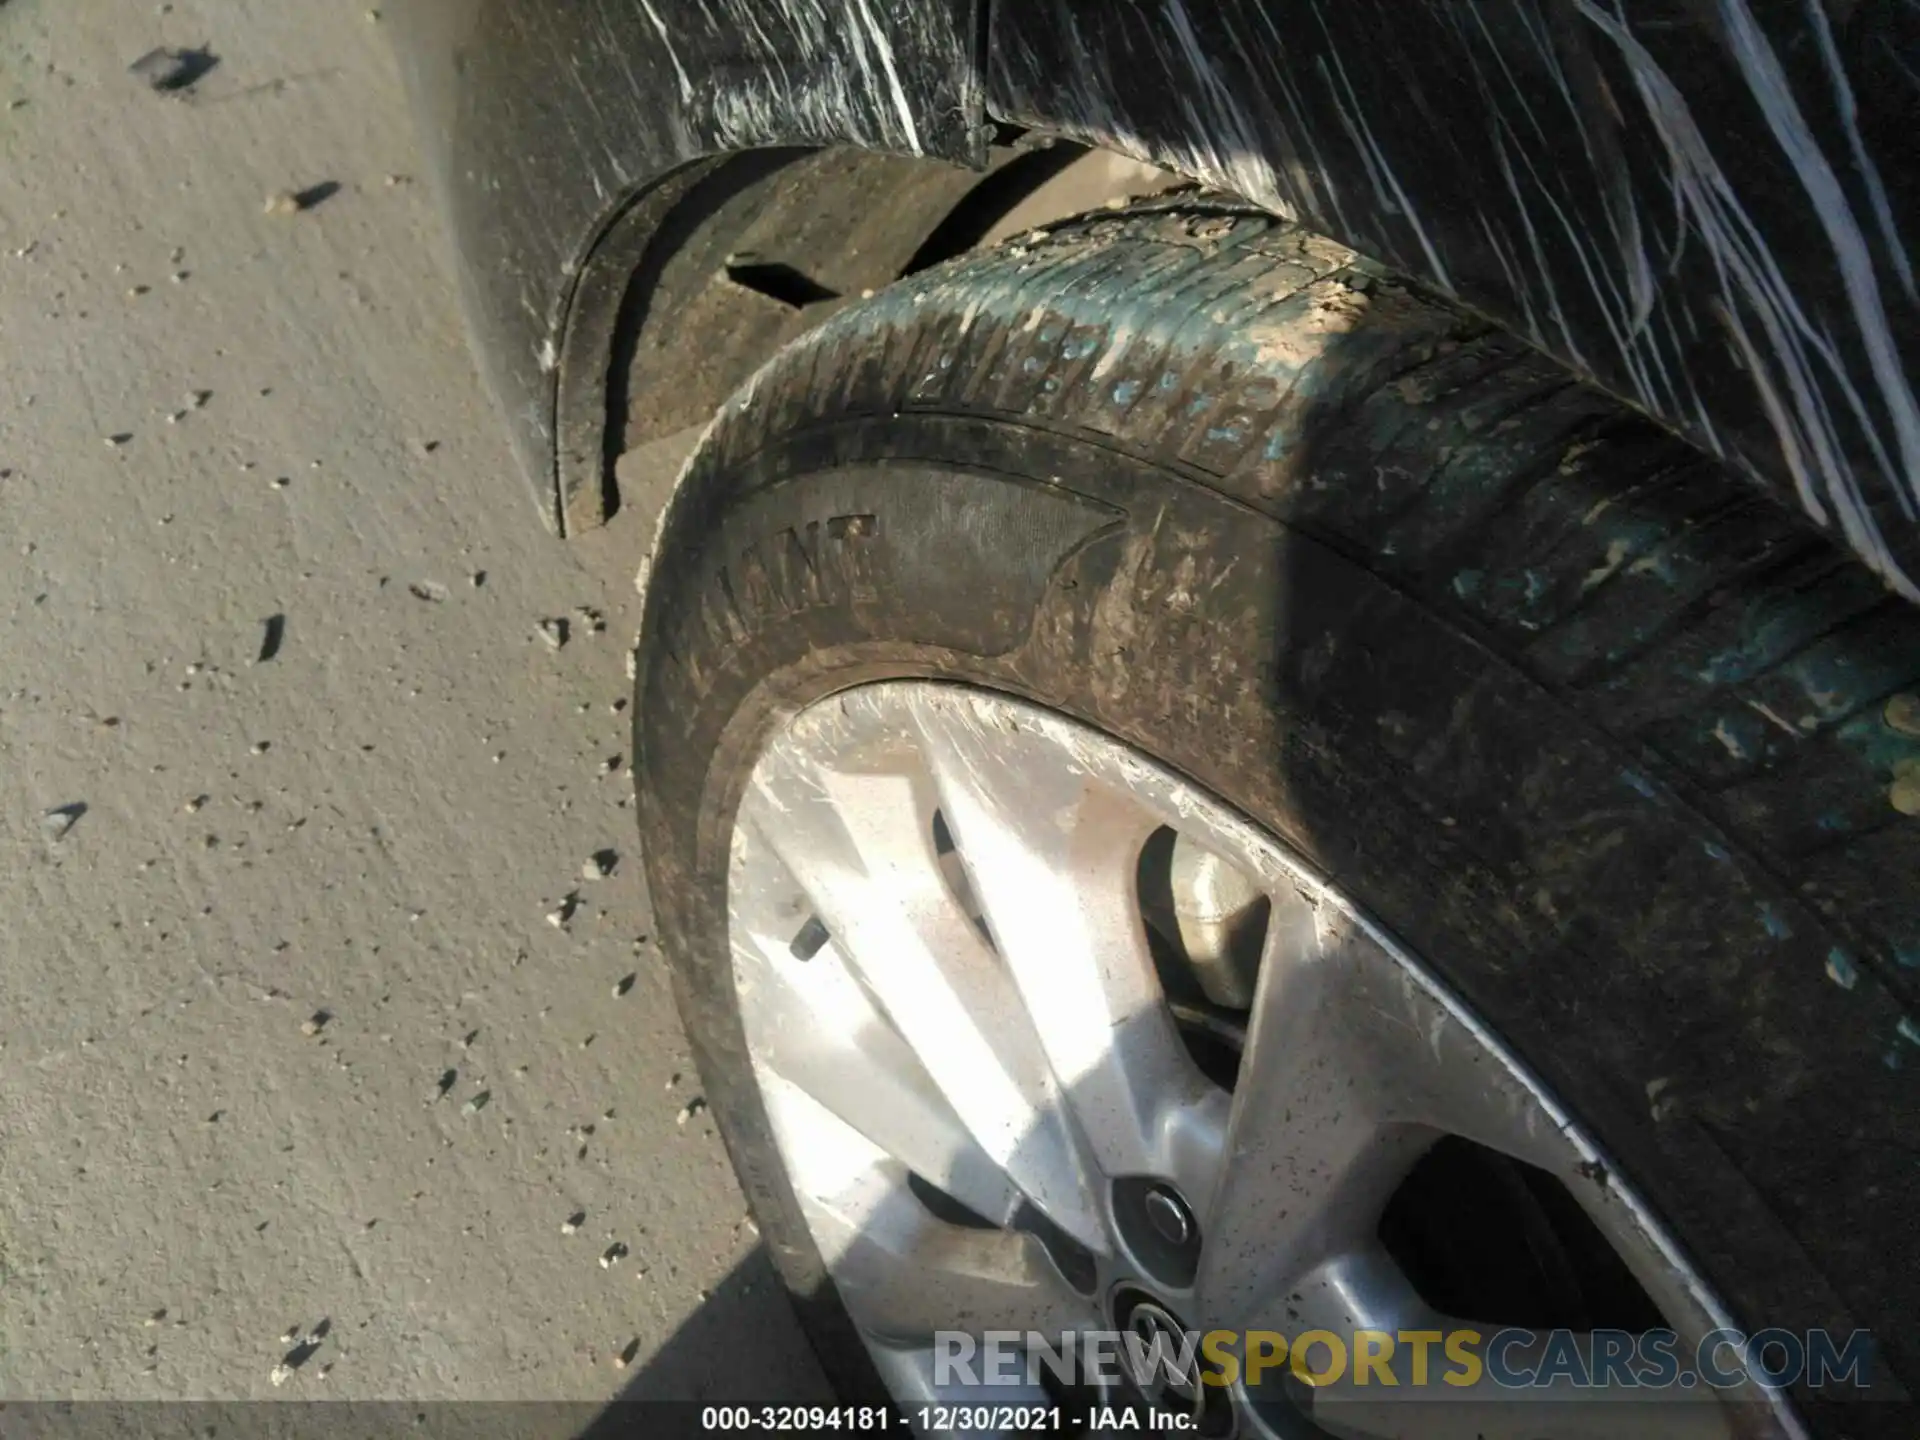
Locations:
column 1158, row 1228
column 1167, row 1213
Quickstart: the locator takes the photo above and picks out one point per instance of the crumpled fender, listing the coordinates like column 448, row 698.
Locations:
column 541, row 122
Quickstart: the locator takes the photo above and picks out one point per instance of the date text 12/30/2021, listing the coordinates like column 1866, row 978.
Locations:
column 939, row 1419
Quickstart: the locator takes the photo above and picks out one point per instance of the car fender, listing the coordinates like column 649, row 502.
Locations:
column 542, row 123
column 1704, row 209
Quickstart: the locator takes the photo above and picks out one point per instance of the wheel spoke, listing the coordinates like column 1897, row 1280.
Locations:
column 1359, row 1289
column 859, row 1068
column 1428, row 1062
column 810, row 1022
column 1310, row 1161
column 902, row 1272
column 860, row 846
column 1053, row 856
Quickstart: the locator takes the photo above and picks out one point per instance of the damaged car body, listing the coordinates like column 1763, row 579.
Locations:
column 1702, row 208
column 1429, row 367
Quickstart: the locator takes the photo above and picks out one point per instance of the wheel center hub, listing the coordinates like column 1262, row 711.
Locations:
column 1164, row 1365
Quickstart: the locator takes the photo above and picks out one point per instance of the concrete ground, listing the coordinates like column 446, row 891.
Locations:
column 299, row 1088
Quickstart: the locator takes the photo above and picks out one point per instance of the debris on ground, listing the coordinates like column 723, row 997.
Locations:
column 692, row 1108
column 272, row 631
column 170, row 71
column 554, row 632
column 571, row 1225
column 563, row 912
column 58, row 822
column 302, row 1352
column 591, row 620
column 293, row 202
column 308, row 848
column 613, row 1255
column 623, row 985
column 600, row 864
column 626, row 1356
column 478, row 1103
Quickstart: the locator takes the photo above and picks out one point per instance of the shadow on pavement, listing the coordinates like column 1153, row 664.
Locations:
column 743, row 1346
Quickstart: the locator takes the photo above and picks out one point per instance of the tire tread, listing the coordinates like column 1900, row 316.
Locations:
column 1680, row 608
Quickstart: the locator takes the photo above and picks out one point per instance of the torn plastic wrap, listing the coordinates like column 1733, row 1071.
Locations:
column 1705, row 207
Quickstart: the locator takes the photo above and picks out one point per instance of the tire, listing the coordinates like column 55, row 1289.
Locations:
column 1610, row 740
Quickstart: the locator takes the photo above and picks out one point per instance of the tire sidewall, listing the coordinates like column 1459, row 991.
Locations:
column 1375, row 740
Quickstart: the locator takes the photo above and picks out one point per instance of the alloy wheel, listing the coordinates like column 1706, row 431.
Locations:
column 1051, row 1040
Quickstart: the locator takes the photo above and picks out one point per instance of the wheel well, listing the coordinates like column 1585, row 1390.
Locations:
column 698, row 283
